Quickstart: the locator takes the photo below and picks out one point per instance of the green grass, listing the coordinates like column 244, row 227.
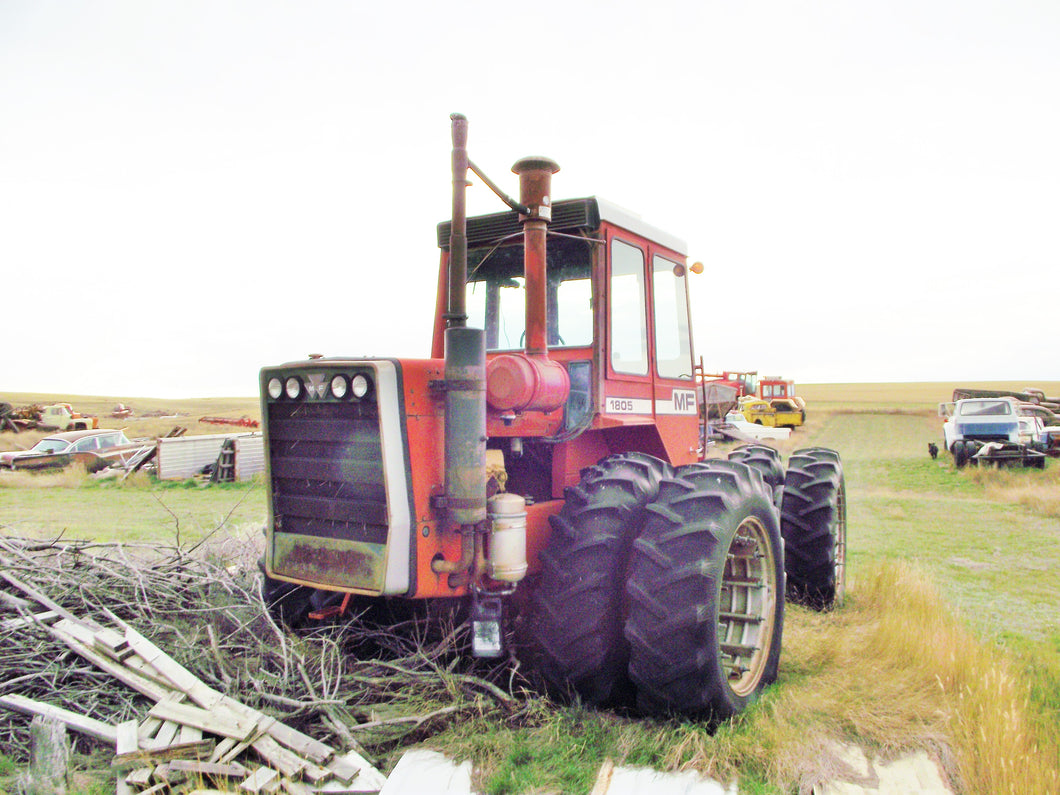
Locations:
column 139, row 511
column 995, row 561
column 90, row 776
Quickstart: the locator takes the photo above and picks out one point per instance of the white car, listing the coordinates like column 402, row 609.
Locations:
column 95, row 449
column 737, row 420
column 1032, row 430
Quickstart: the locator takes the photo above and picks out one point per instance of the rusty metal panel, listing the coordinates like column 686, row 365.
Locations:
column 336, row 563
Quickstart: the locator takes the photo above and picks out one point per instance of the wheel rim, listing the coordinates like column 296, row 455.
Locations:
column 841, row 546
column 747, row 607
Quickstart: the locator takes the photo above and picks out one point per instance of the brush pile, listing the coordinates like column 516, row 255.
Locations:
column 366, row 685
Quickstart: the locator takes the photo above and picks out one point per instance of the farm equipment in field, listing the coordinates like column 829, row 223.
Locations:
column 57, row 417
column 773, row 386
column 615, row 560
column 1029, row 395
column 241, row 422
column 774, row 390
column 7, row 418
column 62, row 417
column 743, row 382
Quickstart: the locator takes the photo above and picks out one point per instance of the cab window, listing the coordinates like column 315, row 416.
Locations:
column 673, row 358
column 628, row 324
column 496, row 295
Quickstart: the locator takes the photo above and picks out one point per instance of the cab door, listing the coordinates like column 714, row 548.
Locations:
column 648, row 358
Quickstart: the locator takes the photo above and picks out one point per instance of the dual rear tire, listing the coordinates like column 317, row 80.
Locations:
column 662, row 588
column 577, row 609
column 814, row 526
column 665, row 588
column 706, row 588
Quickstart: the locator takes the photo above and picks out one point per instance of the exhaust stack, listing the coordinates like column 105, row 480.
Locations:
column 531, row 381
column 465, row 366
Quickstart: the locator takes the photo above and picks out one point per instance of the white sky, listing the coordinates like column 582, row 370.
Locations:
column 191, row 190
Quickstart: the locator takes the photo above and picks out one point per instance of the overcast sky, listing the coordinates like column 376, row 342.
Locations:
column 192, row 190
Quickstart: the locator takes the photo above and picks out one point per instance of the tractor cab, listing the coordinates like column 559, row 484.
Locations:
column 615, row 323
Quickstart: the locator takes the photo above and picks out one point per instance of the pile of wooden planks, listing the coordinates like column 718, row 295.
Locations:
column 193, row 733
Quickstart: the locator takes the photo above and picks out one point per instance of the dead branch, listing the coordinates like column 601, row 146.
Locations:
column 210, row 617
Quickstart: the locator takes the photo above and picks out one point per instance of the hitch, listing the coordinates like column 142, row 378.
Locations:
column 334, row 611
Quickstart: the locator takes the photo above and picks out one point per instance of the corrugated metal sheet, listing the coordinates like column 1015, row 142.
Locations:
column 185, row 456
column 250, row 456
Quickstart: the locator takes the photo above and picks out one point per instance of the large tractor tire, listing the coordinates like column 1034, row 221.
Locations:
column 767, row 461
column 578, row 607
column 706, row 592
column 813, row 523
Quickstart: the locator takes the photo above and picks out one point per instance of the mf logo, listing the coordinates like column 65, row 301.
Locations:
column 684, row 401
column 315, row 384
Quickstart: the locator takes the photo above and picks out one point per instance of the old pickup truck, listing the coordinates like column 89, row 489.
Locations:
column 62, row 417
column 776, row 413
column 987, row 430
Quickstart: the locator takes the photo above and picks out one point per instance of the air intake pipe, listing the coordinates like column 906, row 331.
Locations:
column 531, row 381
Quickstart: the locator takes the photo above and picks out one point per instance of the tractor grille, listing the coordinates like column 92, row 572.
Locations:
column 326, row 466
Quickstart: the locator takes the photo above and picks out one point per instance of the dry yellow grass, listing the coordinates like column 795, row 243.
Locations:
column 920, row 395
column 897, row 670
column 70, row 477
column 892, row 672
column 1040, row 494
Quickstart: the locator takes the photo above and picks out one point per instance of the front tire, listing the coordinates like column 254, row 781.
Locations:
column 813, row 523
column 288, row 604
column 578, row 608
column 706, row 593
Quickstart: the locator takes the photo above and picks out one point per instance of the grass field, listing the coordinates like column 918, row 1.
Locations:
column 948, row 641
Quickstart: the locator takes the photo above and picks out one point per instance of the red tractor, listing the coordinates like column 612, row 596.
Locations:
column 744, row 382
column 773, row 386
column 546, row 461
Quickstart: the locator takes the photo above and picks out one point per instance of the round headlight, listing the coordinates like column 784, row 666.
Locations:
column 339, row 387
column 275, row 388
column 359, row 385
column 294, row 387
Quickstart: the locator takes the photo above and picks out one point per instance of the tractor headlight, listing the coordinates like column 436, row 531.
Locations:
column 294, row 387
column 275, row 388
column 360, row 385
column 339, row 387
